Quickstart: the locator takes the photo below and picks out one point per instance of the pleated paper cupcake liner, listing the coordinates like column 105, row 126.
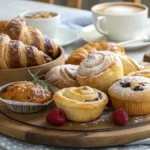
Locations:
column 24, row 107
column 133, row 108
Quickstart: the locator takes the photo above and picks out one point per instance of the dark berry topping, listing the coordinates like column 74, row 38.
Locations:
column 95, row 99
column 125, row 84
column 142, row 84
column 100, row 95
column 138, row 88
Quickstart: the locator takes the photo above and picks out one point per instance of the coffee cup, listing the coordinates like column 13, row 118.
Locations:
column 120, row 21
column 46, row 21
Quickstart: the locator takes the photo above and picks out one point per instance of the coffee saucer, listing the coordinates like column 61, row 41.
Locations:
column 65, row 36
column 89, row 33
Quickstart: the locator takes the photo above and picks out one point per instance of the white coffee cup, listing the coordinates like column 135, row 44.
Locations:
column 120, row 21
column 48, row 26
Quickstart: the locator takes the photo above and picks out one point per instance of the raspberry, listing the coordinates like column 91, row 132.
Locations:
column 120, row 117
column 56, row 117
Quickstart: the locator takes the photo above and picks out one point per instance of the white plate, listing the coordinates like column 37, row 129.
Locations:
column 89, row 33
column 65, row 36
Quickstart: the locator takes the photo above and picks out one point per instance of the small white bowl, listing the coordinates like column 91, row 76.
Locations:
column 48, row 26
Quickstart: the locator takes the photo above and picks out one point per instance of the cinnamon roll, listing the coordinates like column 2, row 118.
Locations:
column 131, row 93
column 81, row 104
column 100, row 70
column 62, row 76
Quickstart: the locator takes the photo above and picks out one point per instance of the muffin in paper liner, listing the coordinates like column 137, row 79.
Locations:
column 24, row 107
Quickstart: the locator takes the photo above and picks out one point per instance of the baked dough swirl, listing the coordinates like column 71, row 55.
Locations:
column 62, row 76
column 100, row 70
column 81, row 104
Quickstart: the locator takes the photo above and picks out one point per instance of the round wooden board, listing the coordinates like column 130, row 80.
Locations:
column 12, row 125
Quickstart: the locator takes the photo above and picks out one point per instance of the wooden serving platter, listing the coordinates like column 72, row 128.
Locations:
column 99, row 133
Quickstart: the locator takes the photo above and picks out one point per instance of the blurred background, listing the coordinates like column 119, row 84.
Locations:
column 87, row 4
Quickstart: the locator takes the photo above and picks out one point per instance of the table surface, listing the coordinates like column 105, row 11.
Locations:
column 11, row 8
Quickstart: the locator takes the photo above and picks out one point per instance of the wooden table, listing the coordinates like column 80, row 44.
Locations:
column 11, row 8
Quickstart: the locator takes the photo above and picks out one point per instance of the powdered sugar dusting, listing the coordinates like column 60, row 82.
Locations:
column 128, row 92
column 15, row 26
column 65, row 74
column 97, row 63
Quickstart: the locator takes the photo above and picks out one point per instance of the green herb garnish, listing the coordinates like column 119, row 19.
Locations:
column 37, row 80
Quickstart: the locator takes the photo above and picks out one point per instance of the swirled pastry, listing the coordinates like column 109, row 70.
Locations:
column 24, row 91
column 81, row 104
column 129, row 65
column 62, row 76
column 82, row 53
column 131, row 93
column 100, row 70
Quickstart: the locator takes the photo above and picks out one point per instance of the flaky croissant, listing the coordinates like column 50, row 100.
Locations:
column 15, row 54
column 17, row 29
column 80, row 54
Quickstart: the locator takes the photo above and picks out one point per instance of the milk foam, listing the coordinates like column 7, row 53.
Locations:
column 120, row 9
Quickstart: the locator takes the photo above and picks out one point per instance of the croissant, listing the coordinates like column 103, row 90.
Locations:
column 15, row 54
column 17, row 29
column 80, row 54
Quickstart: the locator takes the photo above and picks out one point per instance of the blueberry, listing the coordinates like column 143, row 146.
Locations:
column 125, row 84
column 138, row 88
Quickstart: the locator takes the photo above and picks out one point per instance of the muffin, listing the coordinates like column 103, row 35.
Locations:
column 81, row 104
column 131, row 93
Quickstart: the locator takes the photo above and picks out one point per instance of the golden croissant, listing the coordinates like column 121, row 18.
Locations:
column 15, row 54
column 17, row 29
column 80, row 54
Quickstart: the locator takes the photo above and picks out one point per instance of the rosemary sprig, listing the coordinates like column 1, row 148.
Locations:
column 43, row 83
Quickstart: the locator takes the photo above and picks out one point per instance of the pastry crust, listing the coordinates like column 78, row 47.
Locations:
column 129, row 65
column 62, row 76
column 131, row 93
column 81, row 104
column 100, row 70
column 82, row 53
column 24, row 91
column 144, row 73
column 15, row 54
column 17, row 29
